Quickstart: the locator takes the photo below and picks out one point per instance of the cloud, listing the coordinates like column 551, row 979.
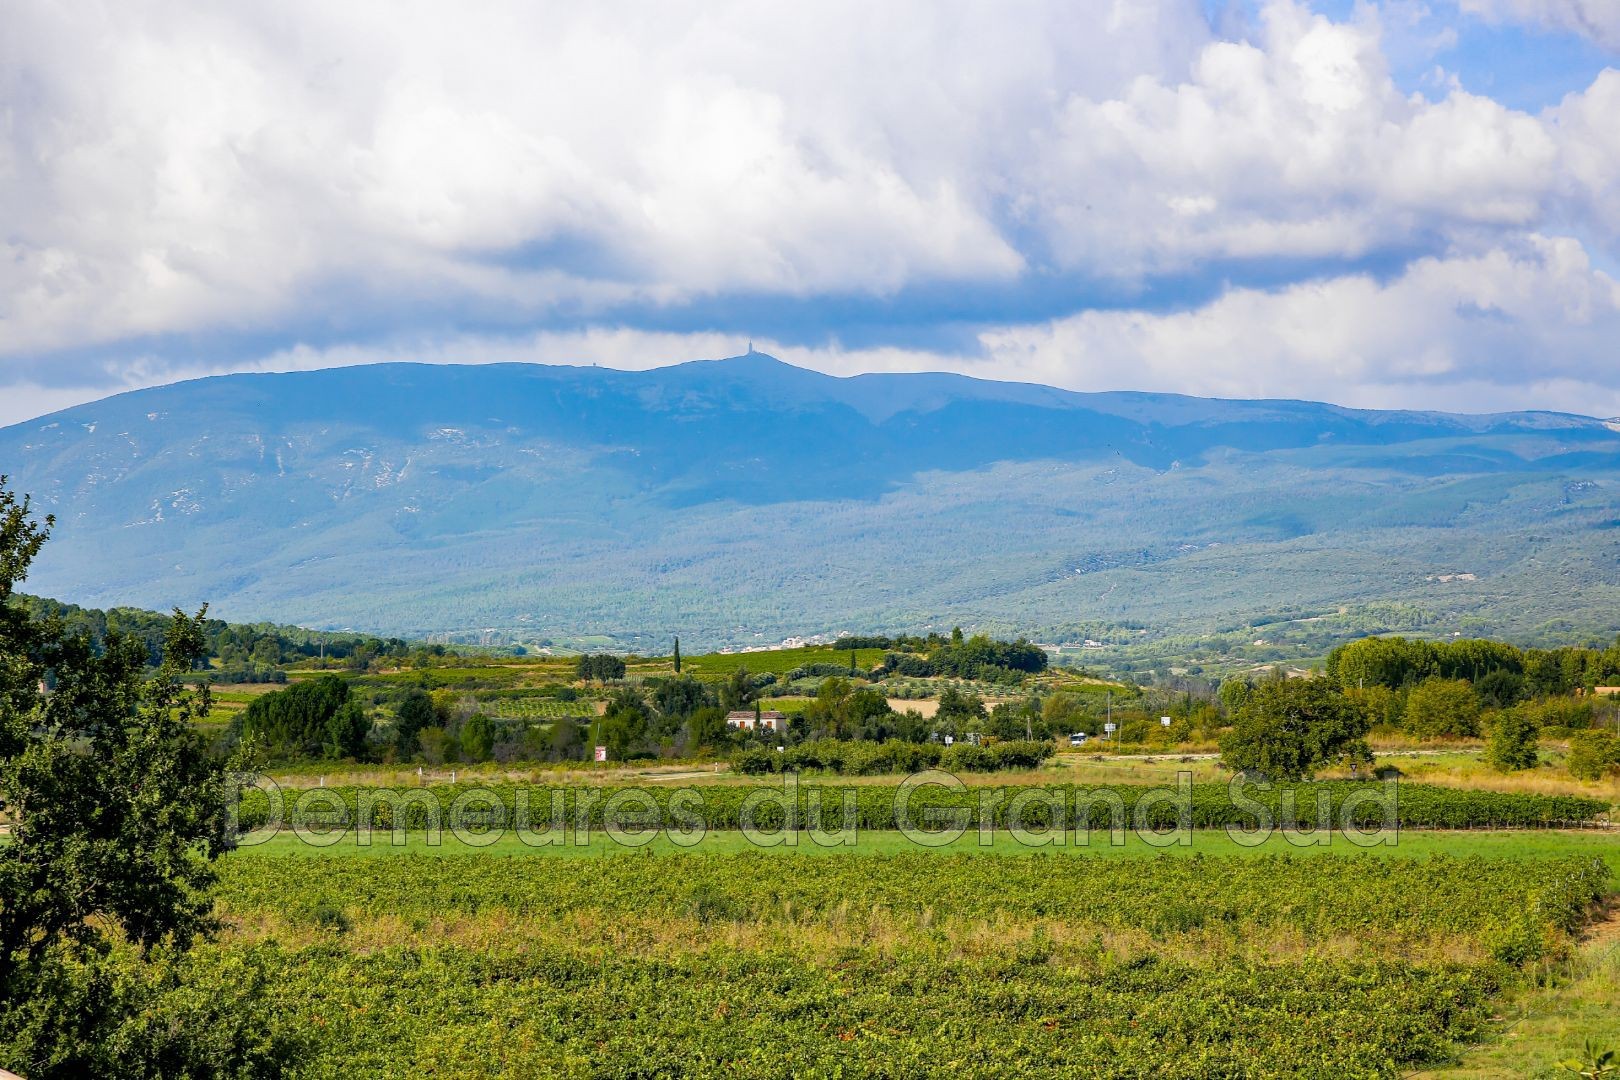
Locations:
column 1500, row 330
column 1296, row 145
column 1596, row 19
column 299, row 183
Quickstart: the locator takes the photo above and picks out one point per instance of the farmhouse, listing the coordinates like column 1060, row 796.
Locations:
column 769, row 720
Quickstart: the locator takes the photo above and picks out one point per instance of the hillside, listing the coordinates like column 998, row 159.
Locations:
column 745, row 499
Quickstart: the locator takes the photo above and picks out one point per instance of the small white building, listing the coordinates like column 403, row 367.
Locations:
column 745, row 719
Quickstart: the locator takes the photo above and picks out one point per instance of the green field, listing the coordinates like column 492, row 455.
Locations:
column 893, row 963
column 777, row 661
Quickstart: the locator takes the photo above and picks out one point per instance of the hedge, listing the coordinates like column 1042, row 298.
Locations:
column 878, row 806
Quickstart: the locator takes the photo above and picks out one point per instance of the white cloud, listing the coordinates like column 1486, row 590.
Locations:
column 1596, row 19
column 1298, row 144
column 1500, row 330
column 174, row 172
column 388, row 173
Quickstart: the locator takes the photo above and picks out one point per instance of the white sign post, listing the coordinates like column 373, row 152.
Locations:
column 601, row 753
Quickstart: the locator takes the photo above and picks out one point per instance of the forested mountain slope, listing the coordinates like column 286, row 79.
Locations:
column 735, row 499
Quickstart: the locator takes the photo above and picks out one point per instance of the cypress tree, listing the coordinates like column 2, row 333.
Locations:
column 677, row 656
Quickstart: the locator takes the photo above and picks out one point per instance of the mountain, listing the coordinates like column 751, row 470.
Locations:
column 746, row 499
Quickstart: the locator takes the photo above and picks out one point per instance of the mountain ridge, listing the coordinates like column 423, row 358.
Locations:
column 885, row 382
column 731, row 498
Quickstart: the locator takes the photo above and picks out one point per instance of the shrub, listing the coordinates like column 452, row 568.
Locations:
column 966, row 757
column 1020, row 754
column 756, row 760
column 1593, row 753
column 1564, row 713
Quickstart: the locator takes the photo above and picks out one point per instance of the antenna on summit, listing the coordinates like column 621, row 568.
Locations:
column 750, row 348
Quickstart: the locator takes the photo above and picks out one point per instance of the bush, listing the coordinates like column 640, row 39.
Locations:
column 966, row 757
column 1593, row 753
column 1020, row 754
column 204, row 1014
column 1560, row 713
column 864, row 757
column 756, row 760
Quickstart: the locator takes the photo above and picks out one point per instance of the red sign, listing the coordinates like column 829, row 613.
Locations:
column 601, row 753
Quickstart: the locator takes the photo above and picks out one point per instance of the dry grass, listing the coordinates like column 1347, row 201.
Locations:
column 1474, row 773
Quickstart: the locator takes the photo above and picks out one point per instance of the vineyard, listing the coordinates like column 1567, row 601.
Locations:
column 779, row 661
column 905, row 965
column 923, row 807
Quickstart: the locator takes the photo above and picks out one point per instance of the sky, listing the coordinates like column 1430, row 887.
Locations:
column 1390, row 205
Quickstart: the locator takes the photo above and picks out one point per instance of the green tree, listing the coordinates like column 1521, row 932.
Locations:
column 1442, row 708
column 1381, row 705
column 1500, row 688
column 565, row 741
column 1234, row 694
column 414, row 715
column 1512, row 743
column 308, row 719
column 1289, row 728
column 625, row 733
column 627, row 699
column 828, row 715
column 346, row 732
column 435, row 744
column 1018, row 720
column 737, row 692
column 706, row 727
column 117, row 814
column 1066, row 712
column 1593, row 753
column 678, row 698
column 677, row 656
column 601, row 667
column 477, row 737
column 959, row 709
